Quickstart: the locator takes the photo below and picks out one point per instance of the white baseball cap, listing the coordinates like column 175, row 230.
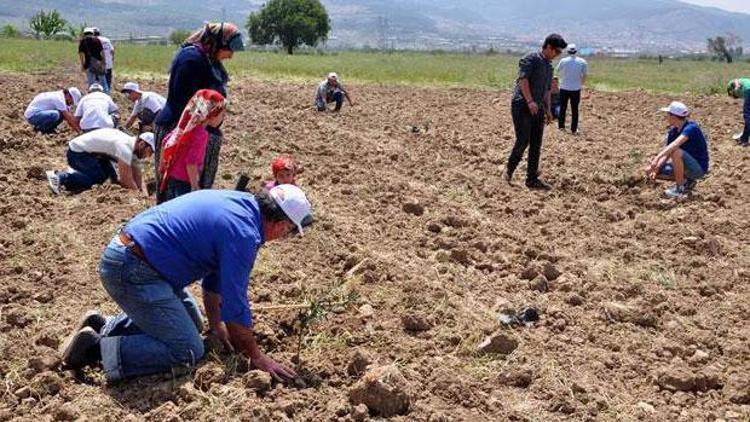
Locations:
column 293, row 202
column 572, row 49
column 75, row 93
column 677, row 108
column 333, row 75
column 131, row 86
column 96, row 87
column 89, row 30
column 148, row 138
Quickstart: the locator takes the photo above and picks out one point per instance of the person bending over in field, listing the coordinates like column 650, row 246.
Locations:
column 91, row 157
column 48, row 109
column 208, row 235
column 331, row 91
column 285, row 170
column 684, row 158
column 146, row 105
column 740, row 88
column 96, row 110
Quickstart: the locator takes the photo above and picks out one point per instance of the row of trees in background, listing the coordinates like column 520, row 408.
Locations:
column 725, row 48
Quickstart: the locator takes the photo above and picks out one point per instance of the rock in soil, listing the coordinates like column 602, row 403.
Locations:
column 358, row 363
column 681, row 379
column 257, row 380
column 520, row 378
column 529, row 273
column 551, row 272
column 360, row 413
column 43, row 363
column 207, row 375
column 624, row 313
column 499, row 342
column 415, row 323
column 539, row 283
column 383, row 390
column 737, row 388
column 414, row 208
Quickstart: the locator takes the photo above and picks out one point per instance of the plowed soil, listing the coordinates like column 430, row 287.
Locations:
column 643, row 301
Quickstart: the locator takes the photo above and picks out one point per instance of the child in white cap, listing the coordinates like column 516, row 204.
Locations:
column 684, row 158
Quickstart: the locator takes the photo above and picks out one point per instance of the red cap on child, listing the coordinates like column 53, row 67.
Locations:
column 283, row 162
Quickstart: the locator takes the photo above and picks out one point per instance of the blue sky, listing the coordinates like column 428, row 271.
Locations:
column 731, row 5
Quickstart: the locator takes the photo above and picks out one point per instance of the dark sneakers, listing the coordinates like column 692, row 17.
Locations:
column 537, row 184
column 81, row 349
column 92, row 319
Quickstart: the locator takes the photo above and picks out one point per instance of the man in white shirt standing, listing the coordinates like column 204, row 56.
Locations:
column 572, row 71
column 96, row 110
column 109, row 57
column 91, row 156
column 146, row 107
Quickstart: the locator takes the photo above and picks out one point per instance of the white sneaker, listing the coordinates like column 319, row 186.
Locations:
column 677, row 192
column 53, row 181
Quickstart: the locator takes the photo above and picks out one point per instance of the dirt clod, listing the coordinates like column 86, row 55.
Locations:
column 550, row 272
column 383, row 390
column 257, row 380
column 359, row 362
column 43, row 363
column 207, row 375
column 415, row 323
column 414, row 208
column 520, row 378
column 499, row 342
column 360, row 413
column 539, row 284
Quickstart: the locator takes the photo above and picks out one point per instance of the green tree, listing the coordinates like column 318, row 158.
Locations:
column 178, row 36
column 290, row 23
column 76, row 32
column 47, row 23
column 9, row 31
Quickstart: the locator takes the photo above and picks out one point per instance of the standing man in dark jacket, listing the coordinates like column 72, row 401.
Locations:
column 91, row 55
column 531, row 108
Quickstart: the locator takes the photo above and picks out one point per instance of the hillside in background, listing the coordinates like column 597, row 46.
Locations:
column 643, row 25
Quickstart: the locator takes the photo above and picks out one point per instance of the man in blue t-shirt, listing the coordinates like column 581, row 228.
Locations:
column 207, row 235
column 684, row 159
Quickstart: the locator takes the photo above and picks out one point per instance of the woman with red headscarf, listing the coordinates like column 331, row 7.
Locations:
column 184, row 149
column 198, row 65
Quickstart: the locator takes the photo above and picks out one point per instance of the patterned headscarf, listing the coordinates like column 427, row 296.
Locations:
column 205, row 105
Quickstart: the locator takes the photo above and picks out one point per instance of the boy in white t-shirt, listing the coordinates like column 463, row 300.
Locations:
column 91, row 157
column 96, row 110
column 48, row 109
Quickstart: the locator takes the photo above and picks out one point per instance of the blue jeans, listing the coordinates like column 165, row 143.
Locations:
column 46, row 121
column 176, row 188
column 337, row 97
column 87, row 170
column 92, row 77
column 693, row 169
column 746, row 115
column 158, row 332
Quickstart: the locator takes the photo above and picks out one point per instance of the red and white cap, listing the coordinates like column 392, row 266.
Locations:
column 293, row 202
column 676, row 108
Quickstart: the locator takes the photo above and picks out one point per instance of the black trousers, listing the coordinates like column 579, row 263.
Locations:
column 575, row 100
column 529, row 133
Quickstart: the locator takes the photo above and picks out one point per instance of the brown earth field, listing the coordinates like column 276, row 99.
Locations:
column 643, row 302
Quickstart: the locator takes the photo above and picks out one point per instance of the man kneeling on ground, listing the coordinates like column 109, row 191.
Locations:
column 91, row 155
column 213, row 235
column 48, row 109
column 331, row 91
column 684, row 159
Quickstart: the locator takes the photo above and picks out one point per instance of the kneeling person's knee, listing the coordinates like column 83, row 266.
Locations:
column 187, row 353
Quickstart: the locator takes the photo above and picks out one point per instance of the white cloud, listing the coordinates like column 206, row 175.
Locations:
column 731, row 5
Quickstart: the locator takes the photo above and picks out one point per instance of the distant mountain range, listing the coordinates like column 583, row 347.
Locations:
column 642, row 25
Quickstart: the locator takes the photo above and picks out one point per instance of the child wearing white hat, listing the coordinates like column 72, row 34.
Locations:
column 684, row 158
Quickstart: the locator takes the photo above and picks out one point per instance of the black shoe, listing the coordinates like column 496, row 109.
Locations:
column 743, row 143
column 81, row 349
column 690, row 184
column 93, row 319
column 537, row 184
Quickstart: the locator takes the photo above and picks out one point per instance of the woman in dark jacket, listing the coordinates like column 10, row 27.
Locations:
column 198, row 65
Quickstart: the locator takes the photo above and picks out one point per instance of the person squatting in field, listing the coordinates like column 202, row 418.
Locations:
column 48, row 109
column 684, row 158
column 198, row 65
column 91, row 158
column 208, row 235
column 531, row 107
column 740, row 88
column 184, row 149
column 146, row 106
column 329, row 91
column 96, row 110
